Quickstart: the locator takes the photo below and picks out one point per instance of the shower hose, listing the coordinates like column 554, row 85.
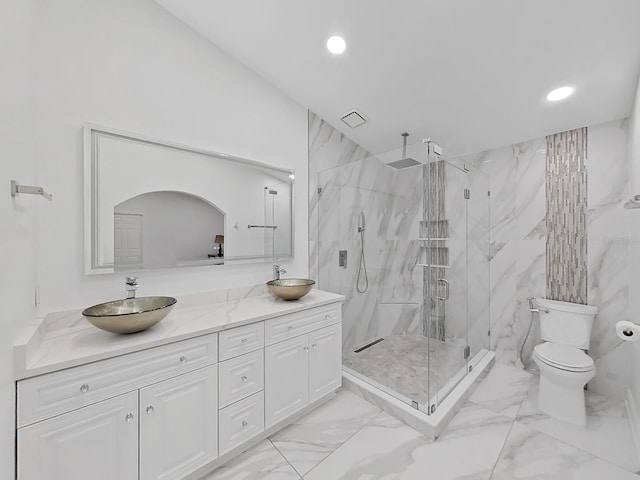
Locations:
column 531, row 319
column 362, row 266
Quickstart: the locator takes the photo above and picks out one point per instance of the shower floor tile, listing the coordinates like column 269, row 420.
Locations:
column 409, row 364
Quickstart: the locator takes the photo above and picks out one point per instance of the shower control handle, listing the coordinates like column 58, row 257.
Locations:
column 445, row 282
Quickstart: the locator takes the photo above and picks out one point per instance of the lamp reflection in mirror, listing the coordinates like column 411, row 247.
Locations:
column 220, row 241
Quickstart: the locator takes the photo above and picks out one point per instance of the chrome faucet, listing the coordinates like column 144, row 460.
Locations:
column 131, row 285
column 277, row 271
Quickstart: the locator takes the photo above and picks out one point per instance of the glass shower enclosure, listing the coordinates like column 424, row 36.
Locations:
column 417, row 230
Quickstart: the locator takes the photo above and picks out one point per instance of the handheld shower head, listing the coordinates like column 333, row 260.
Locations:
column 361, row 222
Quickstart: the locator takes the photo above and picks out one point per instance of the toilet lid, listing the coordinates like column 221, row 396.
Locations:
column 564, row 357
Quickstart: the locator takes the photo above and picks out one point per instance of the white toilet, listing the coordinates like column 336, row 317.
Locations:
column 564, row 366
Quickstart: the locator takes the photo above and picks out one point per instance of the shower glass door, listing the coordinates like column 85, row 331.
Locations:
column 396, row 242
column 445, row 236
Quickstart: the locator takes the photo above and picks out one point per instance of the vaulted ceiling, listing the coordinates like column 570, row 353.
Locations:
column 470, row 74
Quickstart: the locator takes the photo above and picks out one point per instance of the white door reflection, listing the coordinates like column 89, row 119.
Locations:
column 166, row 229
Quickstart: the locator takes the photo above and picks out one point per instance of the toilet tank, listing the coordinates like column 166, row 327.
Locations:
column 566, row 323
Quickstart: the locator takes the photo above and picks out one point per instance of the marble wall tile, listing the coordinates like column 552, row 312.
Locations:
column 353, row 184
column 328, row 149
column 516, row 241
column 506, row 251
column 611, row 233
column 518, row 237
column 615, row 371
column 478, row 260
column 397, row 319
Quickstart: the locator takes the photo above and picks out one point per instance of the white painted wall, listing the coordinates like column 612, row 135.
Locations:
column 129, row 64
column 18, row 216
column 175, row 227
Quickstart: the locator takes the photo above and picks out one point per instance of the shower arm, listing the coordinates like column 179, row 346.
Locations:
column 404, row 144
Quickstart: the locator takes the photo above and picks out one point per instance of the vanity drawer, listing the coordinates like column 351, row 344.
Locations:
column 240, row 422
column 289, row 326
column 238, row 341
column 240, row 377
column 59, row 392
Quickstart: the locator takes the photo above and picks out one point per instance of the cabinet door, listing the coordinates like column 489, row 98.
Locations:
column 179, row 424
column 99, row 442
column 325, row 361
column 286, row 385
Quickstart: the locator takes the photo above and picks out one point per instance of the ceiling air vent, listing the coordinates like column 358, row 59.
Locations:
column 354, row 119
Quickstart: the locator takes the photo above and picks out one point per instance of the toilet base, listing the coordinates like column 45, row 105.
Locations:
column 561, row 392
column 564, row 402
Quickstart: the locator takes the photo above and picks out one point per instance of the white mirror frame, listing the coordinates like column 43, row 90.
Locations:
column 92, row 242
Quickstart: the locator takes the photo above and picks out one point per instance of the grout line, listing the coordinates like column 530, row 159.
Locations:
column 349, row 438
column 504, row 444
column 285, row 458
column 575, row 447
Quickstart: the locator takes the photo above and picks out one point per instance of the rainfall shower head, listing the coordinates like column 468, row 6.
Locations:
column 404, row 162
column 427, row 153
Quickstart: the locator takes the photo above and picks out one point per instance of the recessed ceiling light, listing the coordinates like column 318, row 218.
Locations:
column 336, row 45
column 559, row 94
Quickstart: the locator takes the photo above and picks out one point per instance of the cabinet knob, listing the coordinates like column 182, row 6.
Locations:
column 243, row 341
column 306, row 349
column 84, row 388
column 313, row 345
column 129, row 417
column 149, row 409
column 243, row 378
column 327, row 317
column 183, row 359
column 244, row 424
column 290, row 327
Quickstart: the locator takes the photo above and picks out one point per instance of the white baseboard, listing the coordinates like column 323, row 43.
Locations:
column 634, row 420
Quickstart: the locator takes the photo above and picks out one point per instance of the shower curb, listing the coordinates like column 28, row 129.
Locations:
column 431, row 426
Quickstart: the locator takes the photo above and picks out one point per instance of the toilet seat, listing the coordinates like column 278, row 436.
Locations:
column 563, row 357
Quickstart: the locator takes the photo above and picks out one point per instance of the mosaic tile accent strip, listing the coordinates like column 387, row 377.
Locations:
column 434, row 225
column 567, row 216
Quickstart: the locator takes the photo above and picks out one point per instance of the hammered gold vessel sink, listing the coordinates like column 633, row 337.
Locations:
column 290, row 288
column 129, row 315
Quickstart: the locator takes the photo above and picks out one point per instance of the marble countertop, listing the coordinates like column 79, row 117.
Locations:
column 67, row 339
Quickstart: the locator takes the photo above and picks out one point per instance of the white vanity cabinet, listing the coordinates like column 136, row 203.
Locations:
column 303, row 369
column 286, row 377
column 325, row 361
column 146, row 415
column 99, row 442
column 179, row 425
column 178, row 410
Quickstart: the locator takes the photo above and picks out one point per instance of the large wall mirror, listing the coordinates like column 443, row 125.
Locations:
column 151, row 204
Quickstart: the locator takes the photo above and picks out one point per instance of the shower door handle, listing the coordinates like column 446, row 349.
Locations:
column 445, row 282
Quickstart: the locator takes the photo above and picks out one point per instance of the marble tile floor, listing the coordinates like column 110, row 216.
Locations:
column 498, row 435
column 411, row 365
